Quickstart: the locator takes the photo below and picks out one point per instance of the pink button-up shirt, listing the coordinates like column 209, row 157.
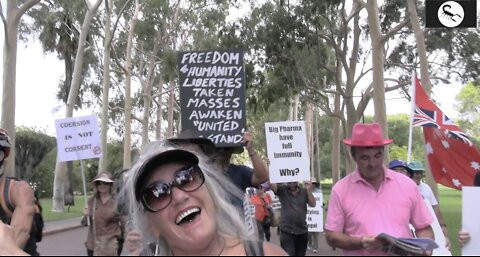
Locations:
column 357, row 209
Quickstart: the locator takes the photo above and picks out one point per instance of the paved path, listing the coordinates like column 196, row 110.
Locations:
column 67, row 237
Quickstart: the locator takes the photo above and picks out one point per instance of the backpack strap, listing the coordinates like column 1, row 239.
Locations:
column 6, row 206
column 253, row 248
column 6, row 193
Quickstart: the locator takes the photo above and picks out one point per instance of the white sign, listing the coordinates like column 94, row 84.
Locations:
column 315, row 214
column 78, row 138
column 287, row 151
column 249, row 213
column 470, row 220
column 276, row 205
column 442, row 250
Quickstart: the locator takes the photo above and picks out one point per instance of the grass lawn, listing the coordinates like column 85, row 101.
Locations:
column 450, row 205
column 75, row 211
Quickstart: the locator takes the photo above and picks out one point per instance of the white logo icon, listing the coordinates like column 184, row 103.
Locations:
column 450, row 14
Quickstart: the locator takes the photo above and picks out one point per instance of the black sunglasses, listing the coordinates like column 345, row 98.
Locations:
column 158, row 195
column 98, row 183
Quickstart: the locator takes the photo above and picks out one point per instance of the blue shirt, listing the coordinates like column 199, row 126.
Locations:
column 241, row 177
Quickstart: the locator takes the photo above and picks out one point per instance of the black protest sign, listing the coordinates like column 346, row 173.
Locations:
column 212, row 94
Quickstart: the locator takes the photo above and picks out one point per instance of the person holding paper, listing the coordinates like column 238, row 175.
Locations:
column 240, row 175
column 313, row 236
column 373, row 199
column 417, row 172
column 293, row 223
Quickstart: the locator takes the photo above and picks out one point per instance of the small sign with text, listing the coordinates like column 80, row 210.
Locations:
column 287, row 151
column 78, row 138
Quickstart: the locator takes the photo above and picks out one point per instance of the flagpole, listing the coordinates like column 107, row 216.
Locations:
column 412, row 112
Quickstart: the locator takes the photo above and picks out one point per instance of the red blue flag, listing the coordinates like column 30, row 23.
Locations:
column 453, row 158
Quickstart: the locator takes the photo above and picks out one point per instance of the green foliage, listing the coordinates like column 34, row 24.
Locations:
column 469, row 107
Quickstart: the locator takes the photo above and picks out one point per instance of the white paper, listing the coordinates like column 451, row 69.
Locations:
column 471, row 219
column 438, row 233
column 287, row 151
column 315, row 214
column 78, row 138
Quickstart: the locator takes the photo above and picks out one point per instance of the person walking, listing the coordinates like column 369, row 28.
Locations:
column 105, row 220
column 417, row 173
column 368, row 201
column 293, row 219
column 401, row 167
column 313, row 236
column 36, row 232
column 263, row 212
column 17, row 201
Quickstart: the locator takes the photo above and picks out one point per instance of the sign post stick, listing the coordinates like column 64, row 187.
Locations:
column 84, row 185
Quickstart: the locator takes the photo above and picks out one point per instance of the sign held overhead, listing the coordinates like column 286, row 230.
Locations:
column 78, row 138
column 212, row 95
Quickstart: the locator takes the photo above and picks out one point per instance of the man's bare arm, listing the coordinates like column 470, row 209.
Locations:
column 23, row 199
column 346, row 242
column 260, row 170
column 425, row 232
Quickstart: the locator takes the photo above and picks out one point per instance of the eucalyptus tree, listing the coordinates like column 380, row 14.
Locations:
column 59, row 181
column 468, row 104
column 32, row 146
column 57, row 23
column 165, row 28
column 14, row 12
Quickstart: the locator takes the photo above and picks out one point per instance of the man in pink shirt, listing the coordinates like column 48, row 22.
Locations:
column 373, row 199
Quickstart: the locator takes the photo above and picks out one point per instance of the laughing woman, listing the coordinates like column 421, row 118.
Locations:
column 178, row 201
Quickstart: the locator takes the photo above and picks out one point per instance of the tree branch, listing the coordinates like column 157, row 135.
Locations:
column 4, row 22
column 395, row 29
column 24, row 8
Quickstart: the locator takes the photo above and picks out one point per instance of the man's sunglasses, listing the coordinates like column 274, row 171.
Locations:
column 158, row 195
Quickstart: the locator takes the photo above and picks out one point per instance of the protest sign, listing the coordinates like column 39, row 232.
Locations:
column 315, row 214
column 212, row 95
column 287, row 151
column 78, row 138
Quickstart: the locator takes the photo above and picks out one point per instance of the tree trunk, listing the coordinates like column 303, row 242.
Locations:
column 147, row 92
column 171, row 108
column 127, row 143
column 378, row 67
column 69, row 200
column 318, row 171
column 290, row 109
column 14, row 14
column 336, row 142
column 309, row 132
column 102, row 165
column 60, row 175
column 425, row 76
column 158, row 134
column 296, row 104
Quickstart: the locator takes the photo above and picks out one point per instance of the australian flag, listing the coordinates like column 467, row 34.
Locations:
column 454, row 160
column 427, row 114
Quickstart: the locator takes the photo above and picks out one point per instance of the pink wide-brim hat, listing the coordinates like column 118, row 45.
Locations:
column 369, row 134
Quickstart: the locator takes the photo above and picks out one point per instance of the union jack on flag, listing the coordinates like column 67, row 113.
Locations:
column 427, row 114
column 453, row 162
